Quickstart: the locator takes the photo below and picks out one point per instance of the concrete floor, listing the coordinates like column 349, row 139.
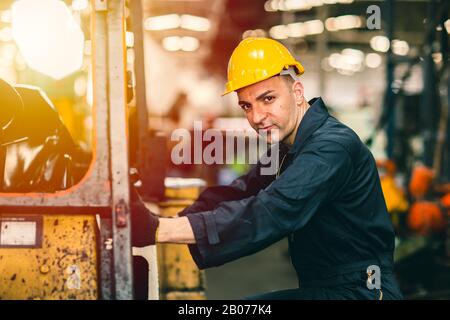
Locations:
column 264, row 271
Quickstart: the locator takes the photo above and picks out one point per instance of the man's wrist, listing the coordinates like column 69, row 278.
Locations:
column 157, row 233
column 175, row 230
column 160, row 234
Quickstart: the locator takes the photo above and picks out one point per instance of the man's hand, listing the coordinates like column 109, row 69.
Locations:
column 144, row 223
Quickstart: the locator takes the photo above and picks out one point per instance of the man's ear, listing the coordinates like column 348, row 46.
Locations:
column 297, row 88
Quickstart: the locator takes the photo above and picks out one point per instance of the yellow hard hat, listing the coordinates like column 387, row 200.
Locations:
column 257, row 59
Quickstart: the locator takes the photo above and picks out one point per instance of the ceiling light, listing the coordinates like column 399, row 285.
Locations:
column 343, row 23
column 279, row 32
column 400, row 47
column 270, row 6
column 373, row 60
column 330, row 24
column 313, row 27
column 48, row 37
column 5, row 16
column 168, row 21
column 129, row 39
column 194, row 23
column 80, row 5
column 334, row 60
column 176, row 43
column 189, row 43
column 257, row 33
column 380, row 43
column 172, row 43
column 348, row 22
column 296, row 29
column 291, row 5
column 437, row 57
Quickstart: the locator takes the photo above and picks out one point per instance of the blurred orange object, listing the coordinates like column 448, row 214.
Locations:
column 445, row 200
column 442, row 188
column 425, row 217
column 421, row 179
column 387, row 167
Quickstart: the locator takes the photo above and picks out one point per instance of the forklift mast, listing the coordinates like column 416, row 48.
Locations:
column 102, row 193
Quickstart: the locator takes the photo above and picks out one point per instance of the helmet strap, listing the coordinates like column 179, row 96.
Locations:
column 290, row 72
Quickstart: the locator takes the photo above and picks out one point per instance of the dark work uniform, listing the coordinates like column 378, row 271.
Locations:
column 326, row 200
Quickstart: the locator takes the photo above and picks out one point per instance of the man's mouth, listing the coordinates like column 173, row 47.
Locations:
column 267, row 128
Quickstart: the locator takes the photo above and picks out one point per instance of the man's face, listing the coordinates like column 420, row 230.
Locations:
column 270, row 107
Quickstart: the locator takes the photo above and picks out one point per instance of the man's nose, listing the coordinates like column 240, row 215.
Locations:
column 258, row 115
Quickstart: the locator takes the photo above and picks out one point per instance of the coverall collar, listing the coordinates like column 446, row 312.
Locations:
column 313, row 119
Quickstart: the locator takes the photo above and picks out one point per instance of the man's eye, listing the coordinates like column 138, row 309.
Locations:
column 269, row 98
column 245, row 107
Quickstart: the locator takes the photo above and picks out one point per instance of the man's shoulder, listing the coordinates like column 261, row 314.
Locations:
column 334, row 133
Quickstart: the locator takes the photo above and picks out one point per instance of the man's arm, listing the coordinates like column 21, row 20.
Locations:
column 176, row 230
column 147, row 228
column 180, row 230
column 239, row 228
column 243, row 187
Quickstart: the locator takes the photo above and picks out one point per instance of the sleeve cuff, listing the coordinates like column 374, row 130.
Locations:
column 205, row 233
column 204, row 226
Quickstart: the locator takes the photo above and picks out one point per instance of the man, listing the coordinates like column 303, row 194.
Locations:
column 325, row 198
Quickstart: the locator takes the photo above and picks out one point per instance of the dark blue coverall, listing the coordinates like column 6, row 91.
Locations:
column 327, row 200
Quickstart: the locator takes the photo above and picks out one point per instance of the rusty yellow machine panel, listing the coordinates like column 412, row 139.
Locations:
column 48, row 257
column 179, row 277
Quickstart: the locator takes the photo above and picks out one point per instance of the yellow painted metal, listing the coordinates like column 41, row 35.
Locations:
column 171, row 208
column 183, row 193
column 180, row 295
column 65, row 267
column 394, row 196
column 177, row 270
column 179, row 277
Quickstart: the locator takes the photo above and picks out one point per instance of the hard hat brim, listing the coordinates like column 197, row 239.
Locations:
column 230, row 87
